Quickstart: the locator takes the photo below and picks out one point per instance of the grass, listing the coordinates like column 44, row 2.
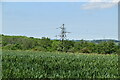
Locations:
column 31, row 64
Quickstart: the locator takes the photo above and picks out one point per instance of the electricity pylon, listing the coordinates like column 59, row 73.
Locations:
column 63, row 34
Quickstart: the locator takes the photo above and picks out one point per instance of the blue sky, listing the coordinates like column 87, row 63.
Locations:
column 40, row 19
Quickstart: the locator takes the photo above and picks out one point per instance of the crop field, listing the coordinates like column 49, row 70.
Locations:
column 35, row 64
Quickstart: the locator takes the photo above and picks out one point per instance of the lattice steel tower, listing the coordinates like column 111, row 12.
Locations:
column 63, row 32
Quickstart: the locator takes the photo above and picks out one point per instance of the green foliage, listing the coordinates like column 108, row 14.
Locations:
column 56, row 45
column 45, row 44
column 107, row 47
column 39, row 48
column 33, row 64
column 14, row 47
column 85, row 50
column 67, row 45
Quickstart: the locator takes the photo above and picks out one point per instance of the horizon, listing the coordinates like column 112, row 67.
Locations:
column 58, row 39
column 40, row 19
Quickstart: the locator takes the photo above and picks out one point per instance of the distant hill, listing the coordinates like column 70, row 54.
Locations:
column 100, row 40
column 104, row 40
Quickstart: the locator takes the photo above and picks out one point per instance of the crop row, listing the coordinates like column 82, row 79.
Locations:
column 29, row 64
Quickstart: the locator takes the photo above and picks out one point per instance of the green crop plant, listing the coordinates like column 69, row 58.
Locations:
column 35, row 64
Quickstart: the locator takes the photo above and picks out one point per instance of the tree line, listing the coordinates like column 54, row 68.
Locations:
column 46, row 44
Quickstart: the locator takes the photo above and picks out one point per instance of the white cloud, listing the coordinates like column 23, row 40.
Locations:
column 91, row 4
column 100, row 4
